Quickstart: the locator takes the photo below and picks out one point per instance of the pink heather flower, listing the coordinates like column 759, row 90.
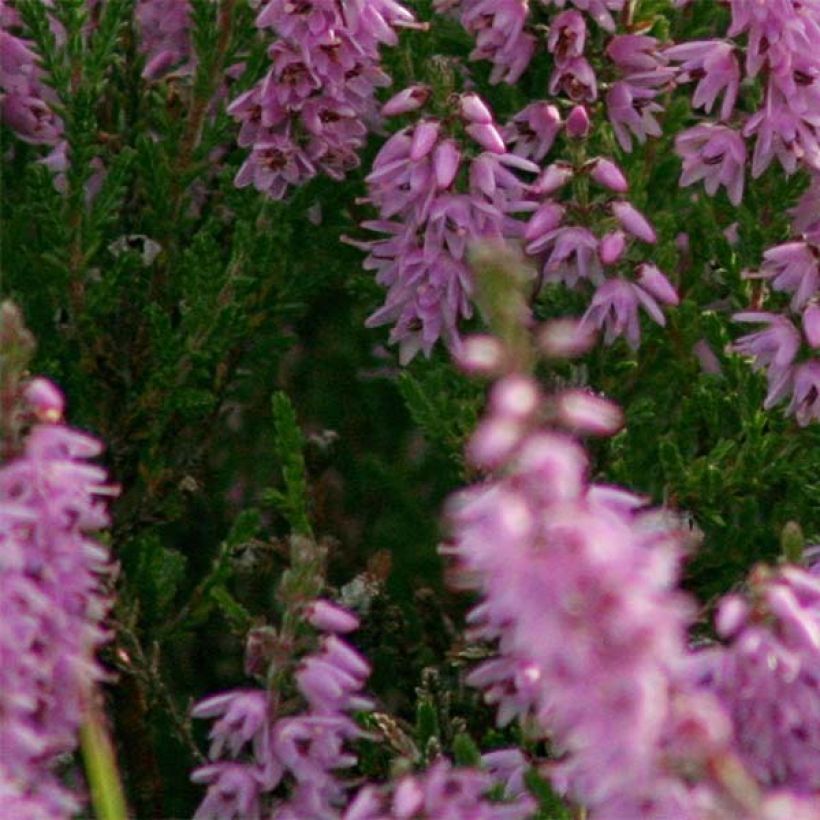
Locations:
column 409, row 99
column 633, row 221
column 570, row 255
column 567, row 35
column 605, row 172
column 767, row 678
column 577, row 125
column 25, row 100
column 631, row 111
column 481, row 355
column 532, row 131
column 794, row 268
column 307, row 749
column 474, row 109
column 654, row 282
column 811, row 325
column 712, row 63
column 635, row 53
column 781, row 133
column 576, row 79
column 614, row 309
column 806, row 214
column 443, row 791
column 773, row 349
column 164, row 27
column 329, row 617
column 612, row 247
column 584, row 412
column 498, row 27
column 51, row 607
column 715, row 154
column 709, row 362
column 315, row 104
column 565, row 338
column 805, row 402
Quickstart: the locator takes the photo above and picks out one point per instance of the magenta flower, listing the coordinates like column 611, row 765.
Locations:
column 614, row 309
column 767, row 677
column 805, row 402
column 715, row 154
column 794, row 268
column 631, row 111
column 52, row 605
column 773, row 349
column 532, row 131
column 712, row 63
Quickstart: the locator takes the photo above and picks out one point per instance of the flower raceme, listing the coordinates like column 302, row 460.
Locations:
column 311, row 111
column 286, row 766
column 440, row 191
column 579, row 591
column 53, row 604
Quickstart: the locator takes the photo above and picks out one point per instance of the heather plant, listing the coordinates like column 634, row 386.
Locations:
column 410, row 409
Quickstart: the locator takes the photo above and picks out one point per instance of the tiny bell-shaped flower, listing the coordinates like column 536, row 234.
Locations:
column 611, row 247
column 424, row 138
column 329, row 617
column 446, row 159
column 811, row 325
column 474, row 110
column 409, row 99
column 577, row 124
column 633, row 221
column 607, row 173
column 487, row 136
column 652, row 280
column 45, row 400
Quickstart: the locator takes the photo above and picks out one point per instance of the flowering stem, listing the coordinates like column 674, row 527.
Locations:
column 101, row 768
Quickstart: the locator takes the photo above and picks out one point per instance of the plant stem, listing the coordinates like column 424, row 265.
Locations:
column 101, row 769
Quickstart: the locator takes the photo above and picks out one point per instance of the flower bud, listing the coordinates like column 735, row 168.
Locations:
column 328, row 617
column 811, row 325
column 424, row 138
column 515, row 397
column 607, row 173
column 577, row 124
column 446, row 159
column 612, row 247
column 481, row 355
column 45, row 400
column 584, row 412
column 409, row 99
column 633, row 221
column 474, row 110
column 487, row 136
column 653, row 281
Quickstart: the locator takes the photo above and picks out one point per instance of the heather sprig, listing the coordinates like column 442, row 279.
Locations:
column 55, row 596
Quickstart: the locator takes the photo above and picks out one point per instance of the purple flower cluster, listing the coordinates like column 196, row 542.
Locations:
column 578, row 585
column 255, row 751
column 787, row 347
column 25, row 100
column 165, row 40
column 768, row 677
column 579, row 594
column 311, row 111
column 432, row 213
column 507, row 37
column 51, row 605
column 631, row 101
column 435, row 196
column 446, row 792
column 782, row 48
